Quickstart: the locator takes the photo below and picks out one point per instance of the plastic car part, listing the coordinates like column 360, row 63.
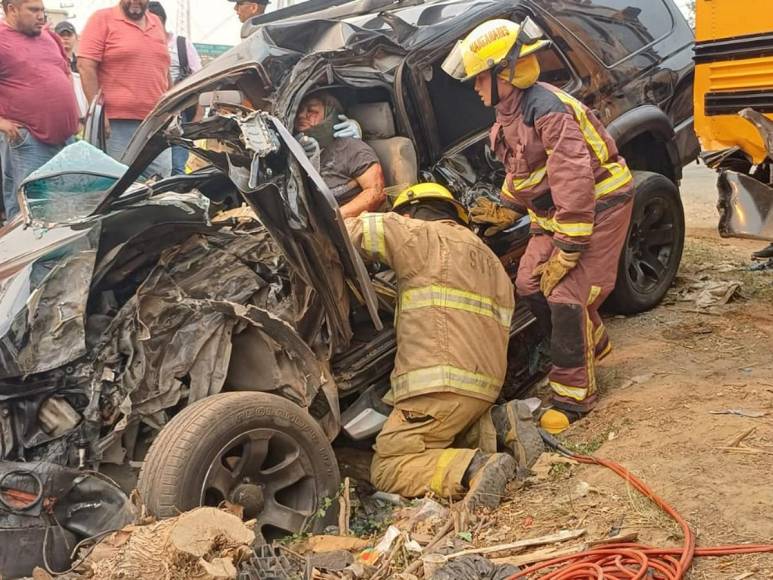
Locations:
column 365, row 417
column 272, row 562
column 47, row 506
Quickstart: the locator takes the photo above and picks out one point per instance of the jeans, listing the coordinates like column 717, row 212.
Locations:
column 18, row 160
column 121, row 131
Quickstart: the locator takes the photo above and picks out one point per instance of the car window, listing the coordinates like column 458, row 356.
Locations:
column 450, row 97
column 553, row 68
column 458, row 109
column 71, row 185
column 614, row 29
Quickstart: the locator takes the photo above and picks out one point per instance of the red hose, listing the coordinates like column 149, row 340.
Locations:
column 627, row 561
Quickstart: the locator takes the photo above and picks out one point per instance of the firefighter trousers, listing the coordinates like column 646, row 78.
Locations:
column 570, row 314
column 428, row 442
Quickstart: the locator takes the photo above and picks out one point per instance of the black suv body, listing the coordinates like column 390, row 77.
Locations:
column 135, row 317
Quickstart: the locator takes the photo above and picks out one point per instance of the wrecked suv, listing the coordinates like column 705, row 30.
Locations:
column 143, row 326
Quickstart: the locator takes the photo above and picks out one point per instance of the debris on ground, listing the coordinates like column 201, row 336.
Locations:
column 740, row 413
column 205, row 543
column 472, row 567
column 327, row 543
column 546, row 464
column 706, row 292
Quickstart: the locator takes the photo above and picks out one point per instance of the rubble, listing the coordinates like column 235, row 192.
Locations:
column 205, row 543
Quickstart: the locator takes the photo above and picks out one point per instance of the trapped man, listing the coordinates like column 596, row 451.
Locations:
column 348, row 165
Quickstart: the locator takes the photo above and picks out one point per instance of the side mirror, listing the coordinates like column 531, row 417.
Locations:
column 212, row 98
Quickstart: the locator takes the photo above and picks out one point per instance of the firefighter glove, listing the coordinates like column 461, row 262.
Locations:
column 485, row 212
column 554, row 269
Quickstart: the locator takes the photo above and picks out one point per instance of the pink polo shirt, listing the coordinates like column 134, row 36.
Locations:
column 35, row 85
column 133, row 63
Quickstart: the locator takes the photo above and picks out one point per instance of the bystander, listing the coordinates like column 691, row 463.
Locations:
column 123, row 53
column 66, row 32
column 38, row 111
column 69, row 37
column 246, row 9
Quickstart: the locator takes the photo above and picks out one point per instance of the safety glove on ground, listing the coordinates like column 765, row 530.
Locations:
column 485, row 212
column 554, row 269
column 347, row 128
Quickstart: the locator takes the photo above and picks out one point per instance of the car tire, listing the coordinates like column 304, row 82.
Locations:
column 653, row 248
column 257, row 450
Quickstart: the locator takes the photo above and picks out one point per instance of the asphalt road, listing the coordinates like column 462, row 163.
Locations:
column 699, row 196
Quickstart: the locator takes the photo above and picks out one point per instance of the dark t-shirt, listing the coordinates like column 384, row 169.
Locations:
column 341, row 162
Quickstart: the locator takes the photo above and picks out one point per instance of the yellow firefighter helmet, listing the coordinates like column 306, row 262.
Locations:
column 491, row 45
column 424, row 191
column 554, row 421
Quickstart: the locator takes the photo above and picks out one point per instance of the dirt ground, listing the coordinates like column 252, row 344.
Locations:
column 672, row 372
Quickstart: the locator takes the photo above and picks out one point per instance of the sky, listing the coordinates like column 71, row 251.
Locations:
column 212, row 21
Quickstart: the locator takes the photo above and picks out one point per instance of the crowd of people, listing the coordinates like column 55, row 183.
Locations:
column 49, row 75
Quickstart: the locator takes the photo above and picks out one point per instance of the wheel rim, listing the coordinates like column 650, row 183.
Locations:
column 651, row 244
column 269, row 474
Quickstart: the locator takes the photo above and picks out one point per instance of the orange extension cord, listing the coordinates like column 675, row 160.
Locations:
column 627, row 561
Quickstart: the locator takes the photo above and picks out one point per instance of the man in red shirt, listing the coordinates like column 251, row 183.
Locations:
column 38, row 112
column 123, row 51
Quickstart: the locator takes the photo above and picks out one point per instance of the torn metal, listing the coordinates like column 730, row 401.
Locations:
column 745, row 207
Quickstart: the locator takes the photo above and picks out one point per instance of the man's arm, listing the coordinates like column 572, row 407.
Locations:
column 372, row 195
column 88, row 68
column 91, row 51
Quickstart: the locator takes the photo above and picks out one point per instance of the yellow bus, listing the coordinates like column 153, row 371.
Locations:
column 734, row 108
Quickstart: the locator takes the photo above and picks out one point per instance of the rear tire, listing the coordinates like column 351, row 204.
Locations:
column 653, row 248
column 254, row 449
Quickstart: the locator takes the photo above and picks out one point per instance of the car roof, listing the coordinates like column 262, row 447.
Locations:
column 406, row 23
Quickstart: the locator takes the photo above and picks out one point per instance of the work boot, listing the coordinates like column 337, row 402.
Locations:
column 764, row 253
column 517, row 432
column 488, row 476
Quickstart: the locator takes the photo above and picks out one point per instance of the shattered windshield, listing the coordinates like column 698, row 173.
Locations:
column 71, row 185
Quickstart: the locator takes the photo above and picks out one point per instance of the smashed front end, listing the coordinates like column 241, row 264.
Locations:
column 745, row 184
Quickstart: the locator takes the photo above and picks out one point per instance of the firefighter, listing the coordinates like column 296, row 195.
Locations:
column 564, row 170
column 455, row 302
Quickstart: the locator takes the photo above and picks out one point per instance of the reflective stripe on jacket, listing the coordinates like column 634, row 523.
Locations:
column 455, row 303
column 560, row 161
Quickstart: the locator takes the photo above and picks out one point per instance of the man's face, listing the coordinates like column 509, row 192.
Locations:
column 310, row 114
column 134, row 9
column 69, row 41
column 246, row 9
column 28, row 17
